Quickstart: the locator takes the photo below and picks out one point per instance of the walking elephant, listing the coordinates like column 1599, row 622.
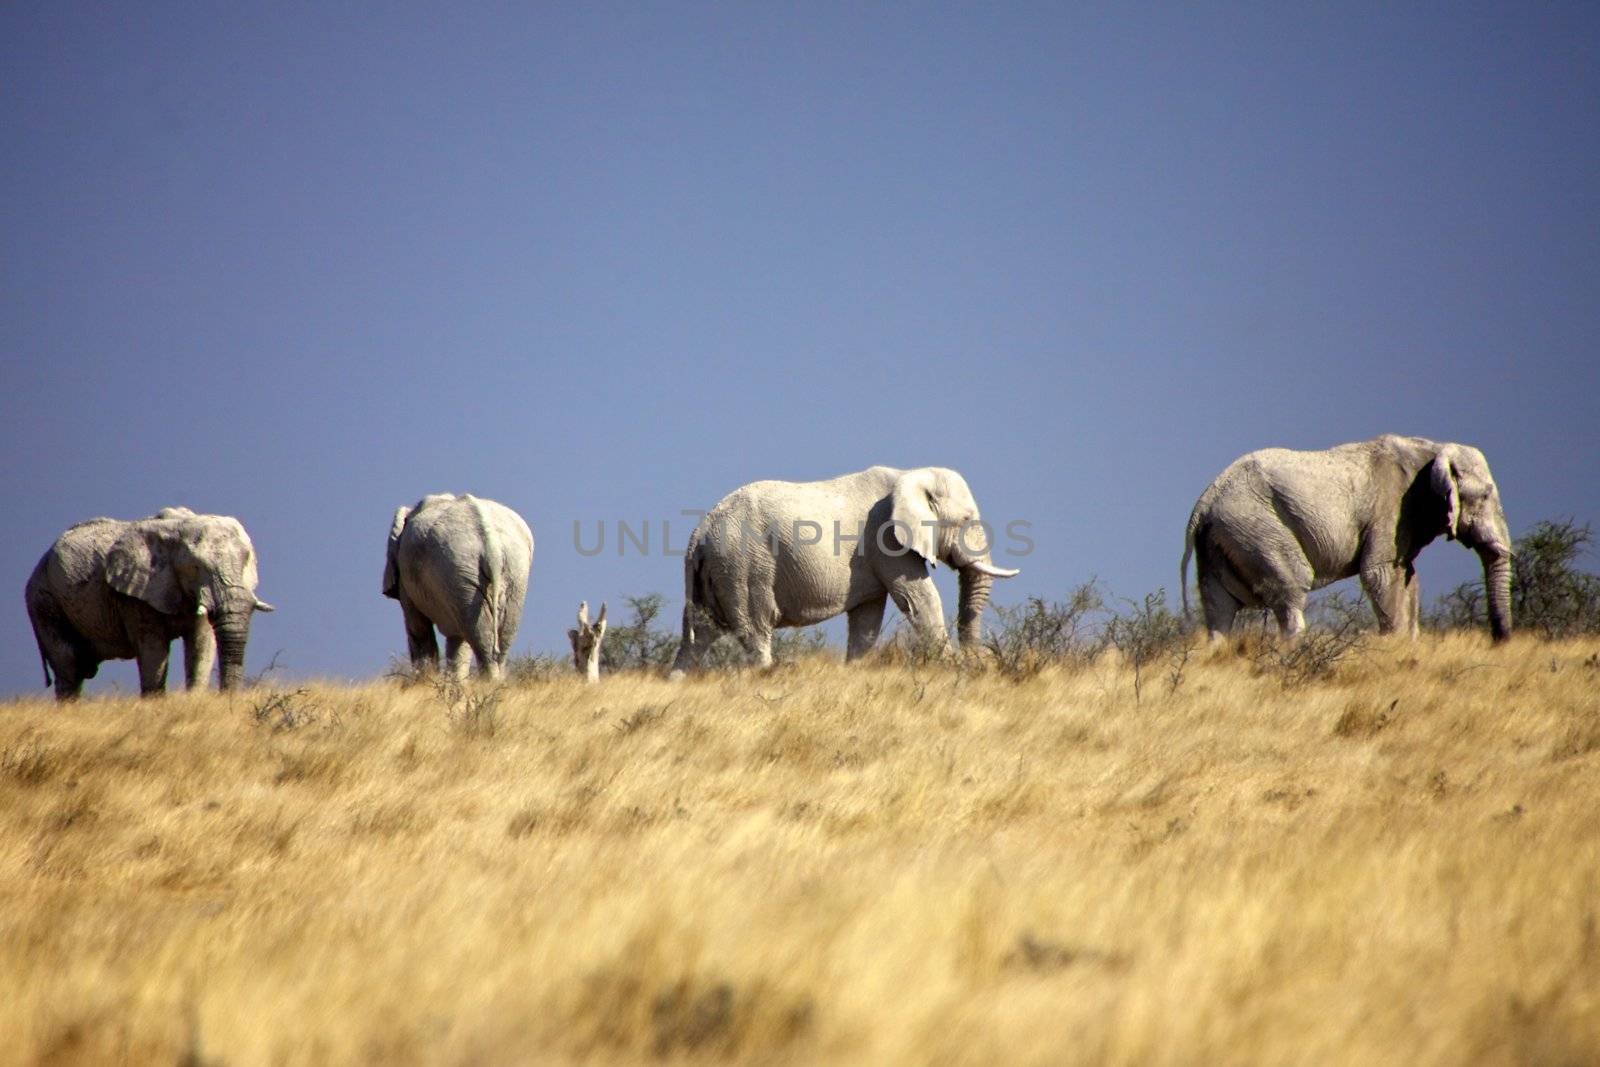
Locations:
column 459, row 563
column 774, row 554
column 1278, row 523
column 109, row 589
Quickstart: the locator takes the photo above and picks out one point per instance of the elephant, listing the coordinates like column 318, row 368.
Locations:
column 586, row 640
column 1278, row 523
column 777, row 554
column 459, row 563
column 114, row 589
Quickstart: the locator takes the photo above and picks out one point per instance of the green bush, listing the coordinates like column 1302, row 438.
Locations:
column 638, row 644
column 1549, row 594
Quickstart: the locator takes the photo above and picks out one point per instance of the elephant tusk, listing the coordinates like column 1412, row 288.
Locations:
column 995, row 572
column 262, row 605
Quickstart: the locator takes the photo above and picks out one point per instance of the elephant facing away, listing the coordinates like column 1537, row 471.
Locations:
column 109, row 589
column 1278, row 523
column 459, row 563
column 774, row 554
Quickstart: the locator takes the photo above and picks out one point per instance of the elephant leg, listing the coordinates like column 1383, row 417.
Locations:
column 1220, row 607
column 490, row 640
column 69, row 684
column 1223, row 591
column 1413, row 604
column 866, row 621
column 457, row 655
column 508, row 634
column 152, row 652
column 698, row 636
column 758, row 643
column 199, row 655
column 754, row 629
column 420, row 640
column 1291, row 617
column 70, row 669
column 1385, row 586
column 490, row 664
column 918, row 600
column 65, row 660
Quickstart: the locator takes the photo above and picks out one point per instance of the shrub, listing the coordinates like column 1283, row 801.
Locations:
column 538, row 667
column 1037, row 634
column 471, row 709
column 642, row 645
column 795, row 644
column 280, row 711
column 910, row 647
column 1337, row 627
column 1150, row 634
column 638, row 644
column 1341, row 612
column 1549, row 594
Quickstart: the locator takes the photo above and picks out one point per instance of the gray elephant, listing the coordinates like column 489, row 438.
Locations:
column 459, row 563
column 774, row 554
column 1278, row 523
column 109, row 589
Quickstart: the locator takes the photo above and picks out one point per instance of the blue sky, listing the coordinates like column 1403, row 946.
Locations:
column 302, row 263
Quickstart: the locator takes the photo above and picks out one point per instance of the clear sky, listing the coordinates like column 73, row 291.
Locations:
column 301, row 263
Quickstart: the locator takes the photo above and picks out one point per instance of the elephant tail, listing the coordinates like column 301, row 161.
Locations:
column 38, row 639
column 1199, row 519
column 692, row 560
column 691, row 571
column 491, row 582
column 701, row 608
column 699, row 590
column 1189, row 534
column 494, row 593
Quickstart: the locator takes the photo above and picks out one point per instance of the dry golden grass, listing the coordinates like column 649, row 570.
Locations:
column 875, row 864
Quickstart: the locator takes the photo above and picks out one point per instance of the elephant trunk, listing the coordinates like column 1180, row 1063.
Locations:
column 975, row 587
column 232, row 631
column 1497, row 579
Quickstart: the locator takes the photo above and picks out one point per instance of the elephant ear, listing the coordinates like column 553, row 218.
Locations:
column 1442, row 476
column 391, row 564
column 913, row 515
column 140, row 565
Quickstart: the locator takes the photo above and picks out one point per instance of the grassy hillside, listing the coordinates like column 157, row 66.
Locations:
column 879, row 864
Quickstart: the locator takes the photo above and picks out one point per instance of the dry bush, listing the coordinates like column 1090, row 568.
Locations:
column 1025, row 640
column 1150, row 635
column 1338, row 629
column 471, row 706
column 282, row 710
column 537, row 667
column 913, row 649
column 641, row 644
